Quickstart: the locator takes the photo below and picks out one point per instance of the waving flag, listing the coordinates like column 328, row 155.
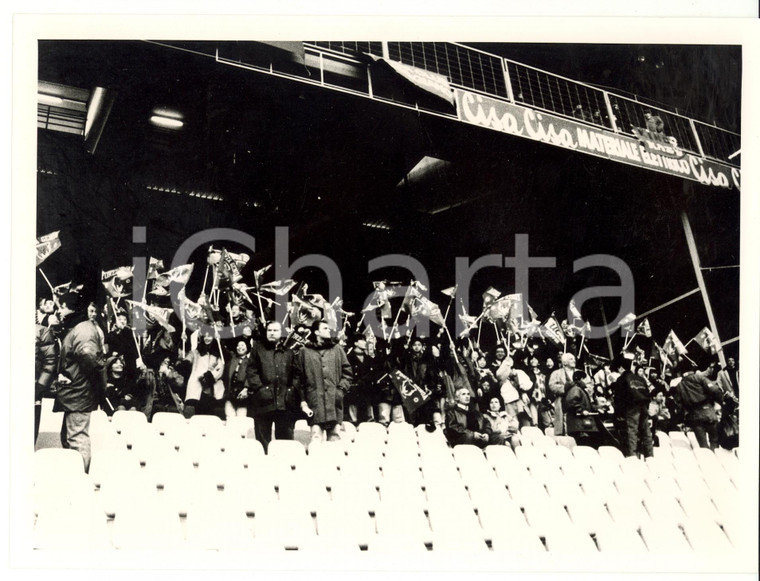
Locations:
column 575, row 314
column 62, row 289
column 707, row 340
column 673, row 347
column 160, row 315
column 552, row 330
column 154, row 265
column 490, row 296
column 278, row 287
column 180, row 274
column 46, row 245
column 259, row 274
column 468, row 322
column 303, row 312
column 450, row 292
column 644, row 329
column 114, row 281
column 626, row 323
column 412, row 395
column 427, row 308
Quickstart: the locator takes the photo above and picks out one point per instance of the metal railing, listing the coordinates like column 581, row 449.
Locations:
column 475, row 70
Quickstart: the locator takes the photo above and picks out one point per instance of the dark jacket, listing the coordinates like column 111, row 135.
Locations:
column 269, row 378
column 697, row 396
column 629, row 391
column 364, row 376
column 461, row 426
column 82, row 362
column 235, row 373
column 322, row 376
column 45, row 359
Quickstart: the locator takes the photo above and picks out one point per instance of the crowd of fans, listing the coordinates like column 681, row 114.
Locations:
column 89, row 357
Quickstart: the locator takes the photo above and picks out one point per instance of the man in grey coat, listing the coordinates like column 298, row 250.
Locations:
column 322, row 376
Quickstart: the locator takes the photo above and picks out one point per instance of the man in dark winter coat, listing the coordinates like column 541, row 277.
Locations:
column 269, row 383
column 322, row 377
column 468, row 426
column 631, row 400
column 84, row 376
column 360, row 400
column 696, row 395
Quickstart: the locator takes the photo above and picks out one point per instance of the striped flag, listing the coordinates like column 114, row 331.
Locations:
column 553, row 331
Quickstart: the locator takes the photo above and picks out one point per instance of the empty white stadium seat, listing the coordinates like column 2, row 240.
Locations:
column 71, row 528
column 166, row 422
column 288, row 452
column 53, row 463
column 620, row 540
column 665, row 538
column 336, row 521
column 239, row 427
column 283, row 524
column 219, row 526
column 206, row 425
column 569, row 540
column 124, row 420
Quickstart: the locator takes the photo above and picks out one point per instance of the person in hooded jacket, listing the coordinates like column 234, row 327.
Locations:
column 322, row 376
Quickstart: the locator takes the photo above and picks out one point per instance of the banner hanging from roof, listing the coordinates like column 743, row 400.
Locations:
column 561, row 132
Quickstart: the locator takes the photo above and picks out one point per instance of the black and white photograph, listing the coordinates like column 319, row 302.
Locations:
column 419, row 296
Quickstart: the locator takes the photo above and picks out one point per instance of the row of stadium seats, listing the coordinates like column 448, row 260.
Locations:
column 215, row 489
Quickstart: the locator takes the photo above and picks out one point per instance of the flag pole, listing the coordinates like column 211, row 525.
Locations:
column 606, row 330
column 49, row 285
column 205, row 278
column 445, row 316
column 451, row 342
column 137, row 344
column 580, row 349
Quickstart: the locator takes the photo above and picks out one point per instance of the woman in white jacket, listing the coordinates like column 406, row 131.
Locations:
column 204, row 393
